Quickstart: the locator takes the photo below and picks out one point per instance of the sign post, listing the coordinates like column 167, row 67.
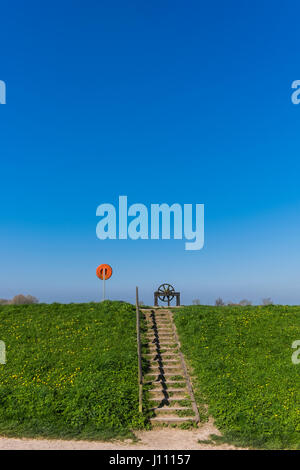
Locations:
column 104, row 271
column 104, row 275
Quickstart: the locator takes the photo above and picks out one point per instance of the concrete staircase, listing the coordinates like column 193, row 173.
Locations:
column 167, row 379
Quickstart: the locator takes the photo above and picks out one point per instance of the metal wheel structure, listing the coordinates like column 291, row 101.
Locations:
column 166, row 293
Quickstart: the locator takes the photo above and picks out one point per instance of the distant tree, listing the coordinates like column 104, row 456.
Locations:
column 196, row 302
column 21, row 299
column 245, row 302
column 267, row 301
column 219, row 302
column 31, row 299
column 4, row 302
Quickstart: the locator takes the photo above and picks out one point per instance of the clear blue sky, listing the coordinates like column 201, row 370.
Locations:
column 100, row 94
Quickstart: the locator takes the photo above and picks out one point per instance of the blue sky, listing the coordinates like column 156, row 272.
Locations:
column 167, row 101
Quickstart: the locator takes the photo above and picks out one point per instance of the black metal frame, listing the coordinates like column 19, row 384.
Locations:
column 166, row 291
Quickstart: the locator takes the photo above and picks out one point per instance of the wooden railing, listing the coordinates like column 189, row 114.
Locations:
column 139, row 350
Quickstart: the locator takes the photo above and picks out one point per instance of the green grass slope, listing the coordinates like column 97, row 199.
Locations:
column 71, row 371
column 241, row 357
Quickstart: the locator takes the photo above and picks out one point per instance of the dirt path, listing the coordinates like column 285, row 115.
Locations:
column 157, row 439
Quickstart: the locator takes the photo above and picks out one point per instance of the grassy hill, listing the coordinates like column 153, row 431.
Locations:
column 241, row 358
column 71, row 370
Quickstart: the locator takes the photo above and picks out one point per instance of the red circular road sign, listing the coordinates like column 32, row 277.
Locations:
column 100, row 271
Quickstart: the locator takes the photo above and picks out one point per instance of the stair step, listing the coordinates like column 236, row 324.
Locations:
column 159, row 333
column 159, row 338
column 161, row 354
column 165, row 372
column 169, row 343
column 155, row 348
column 164, row 326
column 157, row 312
column 158, row 357
column 165, row 412
column 158, row 386
column 163, row 359
column 158, row 377
column 159, row 326
column 156, row 326
column 170, row 382
column 158, row 321
column 174, row 398
column 162, row 330
column 171, row 420
column 167, row 362
column 157, row 317
column 158, row 351
column 170, row 408
column 170, row 338
column 172, row 352
column 159, row 382
column 168, row 390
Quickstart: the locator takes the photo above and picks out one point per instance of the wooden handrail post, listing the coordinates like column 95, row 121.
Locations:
column 138, row 334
